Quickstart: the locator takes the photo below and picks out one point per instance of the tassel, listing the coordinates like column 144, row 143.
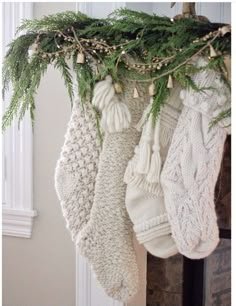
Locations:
column 80, row 58
column 115, row 117
column 115, row 113
column 155, row 166
column 170, row 82
column 135, row 95
column 103, row 93
column 139, row 125
column 145, row 146
column 212, row 52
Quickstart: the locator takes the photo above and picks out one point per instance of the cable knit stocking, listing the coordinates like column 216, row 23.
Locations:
column 144, row 196
column 107, row 239
column 192, row 166
column 77, row 167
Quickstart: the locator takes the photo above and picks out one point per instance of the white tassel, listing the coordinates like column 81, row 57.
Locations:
column 115, row 113
column 145, row 147
column 103, row 94
column 115, row 117
column 140, row 124
column 155, row 166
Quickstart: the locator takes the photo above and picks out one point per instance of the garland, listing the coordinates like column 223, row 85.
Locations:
column 128, row 45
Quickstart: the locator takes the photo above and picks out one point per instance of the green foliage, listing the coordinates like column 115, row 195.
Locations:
column 125, row 34
column 160, row 97
column 85, row 80
column 61, row 65
column 24, row 91
column 59, row 21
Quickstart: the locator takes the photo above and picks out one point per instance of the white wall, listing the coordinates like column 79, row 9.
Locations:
column 41, row 271
column 215, row 12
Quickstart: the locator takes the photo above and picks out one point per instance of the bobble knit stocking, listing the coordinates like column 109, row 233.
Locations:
column 107, row 239
column 192, row 166
column 144, row 196
column 77, row 168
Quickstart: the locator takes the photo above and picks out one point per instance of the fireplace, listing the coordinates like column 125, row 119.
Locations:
column 179, row 281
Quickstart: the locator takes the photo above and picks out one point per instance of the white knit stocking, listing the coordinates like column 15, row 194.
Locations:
column 107, row 239
column 77, row 167
column 192, row 166
column 144, row 197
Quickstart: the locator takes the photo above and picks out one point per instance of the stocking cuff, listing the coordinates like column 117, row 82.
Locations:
column 213, row 96
column 151, row 223
column 156, row 232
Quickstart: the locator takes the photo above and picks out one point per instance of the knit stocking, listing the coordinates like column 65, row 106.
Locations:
column 107, row 239
column 144, row 196
column 192, row 166
column 77, row 167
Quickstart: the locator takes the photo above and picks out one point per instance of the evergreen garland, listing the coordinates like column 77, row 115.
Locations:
column 128, row 45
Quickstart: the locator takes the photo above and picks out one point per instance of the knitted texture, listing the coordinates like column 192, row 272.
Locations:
column 77, row 167
column 192, row 166
column 107, row 239
column 144, row 196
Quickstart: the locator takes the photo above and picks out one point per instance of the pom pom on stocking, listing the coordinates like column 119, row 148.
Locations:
column 107, row 239
column 115, row 114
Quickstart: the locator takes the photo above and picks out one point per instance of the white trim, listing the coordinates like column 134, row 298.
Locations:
column 17, row 142
column 83, row 281
column 17, row 223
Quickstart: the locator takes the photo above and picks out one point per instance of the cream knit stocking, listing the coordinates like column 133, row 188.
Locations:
column 77, row 167
column 107, row 239
column 144, row 196
column 192, row 166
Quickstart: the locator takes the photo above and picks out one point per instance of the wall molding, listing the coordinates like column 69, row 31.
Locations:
column 17, row 180
column 83, row 281
column 17, row 223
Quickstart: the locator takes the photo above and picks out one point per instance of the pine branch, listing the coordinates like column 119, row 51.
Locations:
column 85, row 80
column 63, row 67
column 59, row 21
column 125, row 34
column 159, row 99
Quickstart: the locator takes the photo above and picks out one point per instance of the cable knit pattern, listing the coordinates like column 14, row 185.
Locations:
column 144, row 199
column 191, row 170
column 107, row 239
column 214, row 99
column 77, row 167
